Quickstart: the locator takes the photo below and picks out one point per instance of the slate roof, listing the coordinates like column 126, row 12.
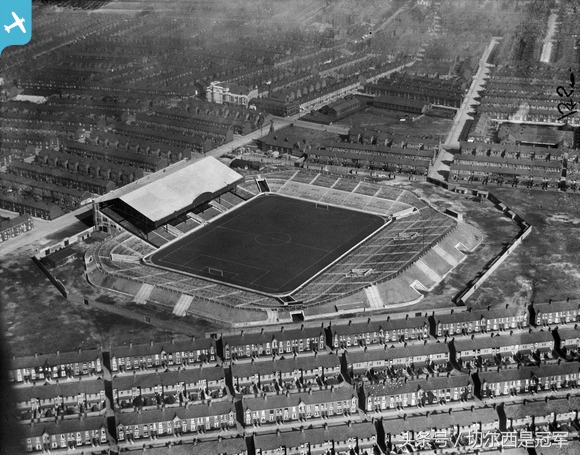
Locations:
column 169, row 378
column 375, row 324
column 396, row 352
column 63, row 426
column 62, row 389
column 59, row 358
column 439, row 420
column 433, row 383
column 317, row 436
column 286, row 365
column 557, row 306
column 147, row 349
column 267, row 336
column 170, row 413
column 527, row 372
column 294, row 399
column 480, row 342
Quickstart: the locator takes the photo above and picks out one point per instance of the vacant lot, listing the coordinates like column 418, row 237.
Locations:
column 546, row 265
column 389, row 121
column 36, row 318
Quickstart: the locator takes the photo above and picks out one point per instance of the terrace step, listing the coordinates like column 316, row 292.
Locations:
column 173, row 230
column 432, row 274
column 196, row 218
column 220, row 208
column 374, row 297
column 445, row 255
column 182, row 305
column 144, row 292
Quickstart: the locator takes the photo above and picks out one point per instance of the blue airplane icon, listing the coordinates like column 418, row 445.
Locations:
column 16, row 17
column 18, row 22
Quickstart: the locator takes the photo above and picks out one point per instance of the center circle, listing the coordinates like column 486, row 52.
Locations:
column 273, row 239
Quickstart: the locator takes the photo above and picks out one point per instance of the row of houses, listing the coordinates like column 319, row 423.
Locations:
column 146, row 161
column 379, row 331
column 479, row 161
column 54, row 390
column 65, row 197
column 10, row 228
column 61, row 177
column 373, row 157
column 521, row 98
column 425, row 89
column 26, row 205
column 320, row 410
column 91, row 167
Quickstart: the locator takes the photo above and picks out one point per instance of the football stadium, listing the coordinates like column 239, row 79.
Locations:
column 202, row 239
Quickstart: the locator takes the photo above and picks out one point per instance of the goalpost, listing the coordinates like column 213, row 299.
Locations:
column 216, row 272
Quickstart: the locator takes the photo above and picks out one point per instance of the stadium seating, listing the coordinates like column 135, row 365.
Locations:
column 304, row 177
column 365, row 188
column 344, row 184
column 325, row 180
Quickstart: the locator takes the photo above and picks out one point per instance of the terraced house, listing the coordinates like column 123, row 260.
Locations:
column 527, row 379
column 567, row 341
column 442, row 427
column 16, row 226
column 174, row 422
column 169, row 387
column 359, row 438
column 480, row 160
column 79, row 364
column 518, row 347
column 373, row 363
column 299, row 406
column 377, row 330
column 43, row 402
column 403, row 393
column 394, row 159
column 162, row 355
column 88, row 434
column 284, row 341
column 546, row 415
column 478, row 321
column 551, row 313
column 285, row 374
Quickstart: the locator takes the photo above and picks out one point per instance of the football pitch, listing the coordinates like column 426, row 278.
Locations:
column 271, row 244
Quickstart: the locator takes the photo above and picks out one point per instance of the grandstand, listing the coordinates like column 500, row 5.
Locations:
column 147, row 208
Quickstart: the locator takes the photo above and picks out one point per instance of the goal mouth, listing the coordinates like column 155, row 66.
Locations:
column 215, row 272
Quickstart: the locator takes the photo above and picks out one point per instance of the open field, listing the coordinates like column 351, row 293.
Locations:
column 37, row 318
column 388, row 121
column 546, row 265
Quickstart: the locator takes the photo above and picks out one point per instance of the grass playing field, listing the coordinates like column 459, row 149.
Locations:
column 273, row 244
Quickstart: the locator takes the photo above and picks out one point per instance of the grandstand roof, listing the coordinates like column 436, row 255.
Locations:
column 177, row 190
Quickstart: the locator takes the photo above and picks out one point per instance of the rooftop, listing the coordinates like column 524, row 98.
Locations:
column 169, row 193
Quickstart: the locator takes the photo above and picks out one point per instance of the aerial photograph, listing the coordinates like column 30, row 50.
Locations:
column 290, row 227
